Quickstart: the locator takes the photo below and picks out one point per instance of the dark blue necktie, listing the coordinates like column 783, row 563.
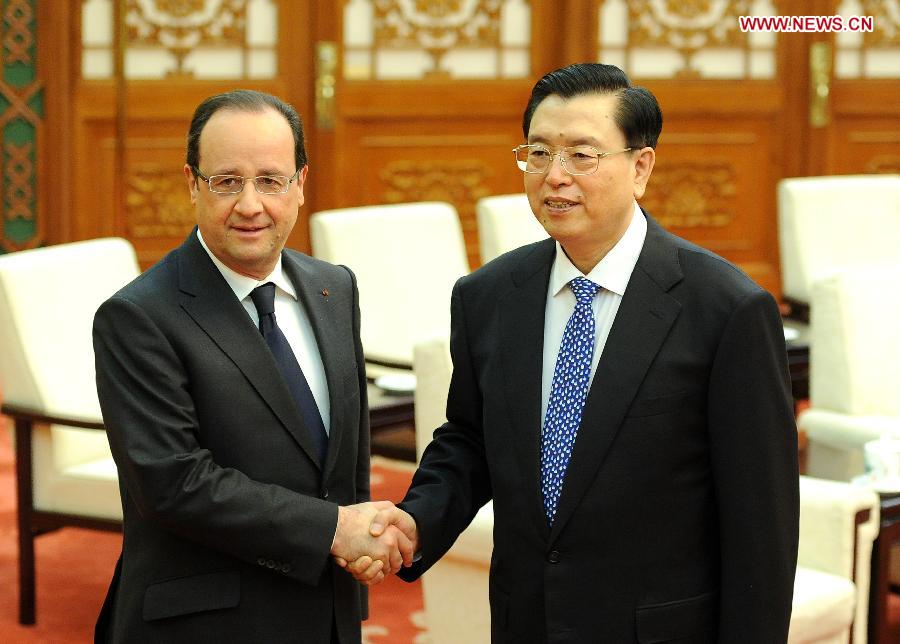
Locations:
column 264, row 299
column 568, row 392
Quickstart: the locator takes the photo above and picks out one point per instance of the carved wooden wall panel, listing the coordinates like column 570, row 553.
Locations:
column 707, row 184
column 22, row 125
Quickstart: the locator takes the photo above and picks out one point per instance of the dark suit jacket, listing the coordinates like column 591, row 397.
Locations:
column 228, row 515
column 678, row 517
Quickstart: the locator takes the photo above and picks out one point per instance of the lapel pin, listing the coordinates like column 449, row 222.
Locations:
column 325, row 292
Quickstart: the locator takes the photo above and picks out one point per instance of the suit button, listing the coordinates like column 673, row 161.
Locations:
column 553, row 557
column 261, row 561
column 270, row 563
column 286, row 568
column 325, row 493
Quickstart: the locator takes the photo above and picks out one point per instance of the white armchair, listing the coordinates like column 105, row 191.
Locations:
column 828, row 223
column 838, row 523
column 505, row 222
column 65, row 473
column 854, row 368
column 406, row 258
column 456, row 588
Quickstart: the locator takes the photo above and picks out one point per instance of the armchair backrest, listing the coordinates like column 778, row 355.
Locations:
column 48, row 297
column 406, row 258
column 855, row 341
column 433, row 368
column 505, row 222
column 827, row 223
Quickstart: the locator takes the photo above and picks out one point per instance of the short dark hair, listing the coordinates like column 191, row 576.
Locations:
column 245, row 100
column 637, row 114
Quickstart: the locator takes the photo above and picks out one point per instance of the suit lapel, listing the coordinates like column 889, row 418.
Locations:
column 322, row 310
column 521, row 344
column 212, row 305
column 642, row 323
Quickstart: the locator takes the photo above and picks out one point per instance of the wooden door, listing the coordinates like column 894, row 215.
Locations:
column 853, row 84
column 723, row 98
column 139, row 70
column 427, row 100
column 439, row 133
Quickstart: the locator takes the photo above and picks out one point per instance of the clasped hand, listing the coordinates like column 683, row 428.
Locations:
column 373, row 540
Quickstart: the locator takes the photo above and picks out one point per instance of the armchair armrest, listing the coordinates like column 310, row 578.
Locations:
column 838, row 525
column 837, row 521
column 476, row 543
column 33, row 416
column 845, row 431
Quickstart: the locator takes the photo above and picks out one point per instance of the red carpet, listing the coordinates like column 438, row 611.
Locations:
column 74, row 567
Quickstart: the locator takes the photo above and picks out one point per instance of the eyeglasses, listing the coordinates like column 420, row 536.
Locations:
column 232, row 184
column 578, row 159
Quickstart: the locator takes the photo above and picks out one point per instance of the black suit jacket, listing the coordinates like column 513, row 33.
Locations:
column 678, row 517
column 228, row 515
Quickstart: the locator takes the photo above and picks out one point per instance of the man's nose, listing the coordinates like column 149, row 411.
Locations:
column 556, row 171
column 248, row 199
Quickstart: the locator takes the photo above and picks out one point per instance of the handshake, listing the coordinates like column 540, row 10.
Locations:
column 374, row 540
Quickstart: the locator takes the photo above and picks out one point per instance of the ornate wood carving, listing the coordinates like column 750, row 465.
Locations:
column 692, row 194
column 156, row 203
column 461, row 182
column 21, row 122
column 180, row 26
column 678, row 33
column 437, row 26
column 886, row 32
column 416, row 39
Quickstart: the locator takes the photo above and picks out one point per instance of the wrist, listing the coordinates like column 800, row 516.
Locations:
column 339, row 524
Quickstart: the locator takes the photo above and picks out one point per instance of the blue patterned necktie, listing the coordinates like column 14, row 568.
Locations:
column 264, row 299
column 567, row 393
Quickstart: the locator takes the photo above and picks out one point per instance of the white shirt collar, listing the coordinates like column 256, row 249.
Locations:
column 614, row 270
column 241, row 284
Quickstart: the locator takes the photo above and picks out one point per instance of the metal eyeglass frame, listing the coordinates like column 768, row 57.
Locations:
column 208, row 179
column 563, row 155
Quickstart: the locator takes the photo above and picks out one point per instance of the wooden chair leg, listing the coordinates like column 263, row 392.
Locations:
column 25, row 508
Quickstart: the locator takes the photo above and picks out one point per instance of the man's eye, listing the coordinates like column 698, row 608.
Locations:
column 227, row 182
column 539, row 153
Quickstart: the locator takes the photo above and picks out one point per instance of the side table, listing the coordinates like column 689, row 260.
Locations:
column 796, row 339
column 392, row 424
column 888, row 535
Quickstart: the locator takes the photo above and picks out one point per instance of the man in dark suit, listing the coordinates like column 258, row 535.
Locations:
column 623, row 397
column 232, row 384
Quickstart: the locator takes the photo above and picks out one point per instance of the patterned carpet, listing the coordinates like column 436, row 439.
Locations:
column 74, row 567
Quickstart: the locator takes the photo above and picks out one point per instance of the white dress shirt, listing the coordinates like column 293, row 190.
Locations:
column 612, row 274
column 292, row 320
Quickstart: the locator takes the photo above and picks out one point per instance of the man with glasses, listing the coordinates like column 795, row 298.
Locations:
column 232, row 384
column 622, row 395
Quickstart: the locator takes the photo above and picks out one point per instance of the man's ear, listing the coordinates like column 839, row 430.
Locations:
column 192, row 182
column 301, row 181
column 643, row 166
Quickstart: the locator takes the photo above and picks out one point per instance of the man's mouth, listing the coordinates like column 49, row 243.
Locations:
column 249, row 229
column 558, row 203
